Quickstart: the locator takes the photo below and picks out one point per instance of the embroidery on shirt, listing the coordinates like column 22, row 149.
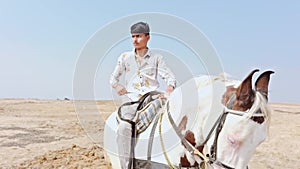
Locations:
column 127, row 67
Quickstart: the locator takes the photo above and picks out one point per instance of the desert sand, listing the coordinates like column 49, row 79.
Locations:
column 64, row 134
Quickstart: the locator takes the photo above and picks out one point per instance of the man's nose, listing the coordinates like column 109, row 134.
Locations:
column 134, row 40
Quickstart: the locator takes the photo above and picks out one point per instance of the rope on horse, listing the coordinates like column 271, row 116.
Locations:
column 162, row 143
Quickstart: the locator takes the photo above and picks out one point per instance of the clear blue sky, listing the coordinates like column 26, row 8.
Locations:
column 40, row 41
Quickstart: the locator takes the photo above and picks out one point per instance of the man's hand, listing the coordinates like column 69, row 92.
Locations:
column 169, row 89
column 121, row 90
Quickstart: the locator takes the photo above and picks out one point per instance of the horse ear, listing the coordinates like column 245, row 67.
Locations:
column 262, row 83
column 245, row 88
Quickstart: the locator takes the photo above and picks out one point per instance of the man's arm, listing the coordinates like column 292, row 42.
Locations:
column 114, row 78
column 166, row 74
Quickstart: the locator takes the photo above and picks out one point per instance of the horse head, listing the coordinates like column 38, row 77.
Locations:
column 246, row 123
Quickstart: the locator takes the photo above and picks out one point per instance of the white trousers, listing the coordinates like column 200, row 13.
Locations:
column 124, row 133
column 124, row 143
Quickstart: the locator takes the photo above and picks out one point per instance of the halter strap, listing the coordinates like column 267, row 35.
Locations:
column 241, row 113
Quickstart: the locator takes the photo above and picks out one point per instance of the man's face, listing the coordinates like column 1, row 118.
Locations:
column 139, row 40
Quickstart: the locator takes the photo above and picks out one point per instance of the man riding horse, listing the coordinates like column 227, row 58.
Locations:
column 141, row 68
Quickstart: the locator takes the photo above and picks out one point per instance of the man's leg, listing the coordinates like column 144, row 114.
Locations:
column 124, row 135
column 124, row 143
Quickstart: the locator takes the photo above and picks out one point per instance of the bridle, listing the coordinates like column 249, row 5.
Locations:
column 217, row 127
column 220, row 123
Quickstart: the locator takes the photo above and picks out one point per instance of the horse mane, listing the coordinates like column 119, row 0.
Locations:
column 260, row 103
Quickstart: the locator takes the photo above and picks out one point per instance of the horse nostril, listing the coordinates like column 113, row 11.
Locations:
column 232, row 140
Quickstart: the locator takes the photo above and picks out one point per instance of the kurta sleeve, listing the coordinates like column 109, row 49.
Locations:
column 165, row 72
column 118, row 71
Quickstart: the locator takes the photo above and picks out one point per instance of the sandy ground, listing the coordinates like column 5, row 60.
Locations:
column 60, row 134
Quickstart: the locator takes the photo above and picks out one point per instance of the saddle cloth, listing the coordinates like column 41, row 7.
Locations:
column 147, row 114
column 146, row 109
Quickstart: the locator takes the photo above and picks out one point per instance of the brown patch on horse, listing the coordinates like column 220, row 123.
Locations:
column 185, row 163
column 258, row 120
column 190, row 137
column 230, row 90
column 182, row 124
column 244, row 94
column 200, row 148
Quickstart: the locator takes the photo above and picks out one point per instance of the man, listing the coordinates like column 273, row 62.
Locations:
column 141, row 68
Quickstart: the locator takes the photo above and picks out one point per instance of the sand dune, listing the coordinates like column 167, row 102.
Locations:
column 53, row 134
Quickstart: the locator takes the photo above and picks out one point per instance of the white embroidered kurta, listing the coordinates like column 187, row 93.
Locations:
column 141, row 75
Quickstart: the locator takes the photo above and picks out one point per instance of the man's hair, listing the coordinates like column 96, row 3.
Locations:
column 140, row 27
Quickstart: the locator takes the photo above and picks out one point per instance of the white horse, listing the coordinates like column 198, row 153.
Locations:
column 220, row 122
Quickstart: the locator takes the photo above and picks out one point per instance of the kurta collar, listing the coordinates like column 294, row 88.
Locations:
column 147, row 54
